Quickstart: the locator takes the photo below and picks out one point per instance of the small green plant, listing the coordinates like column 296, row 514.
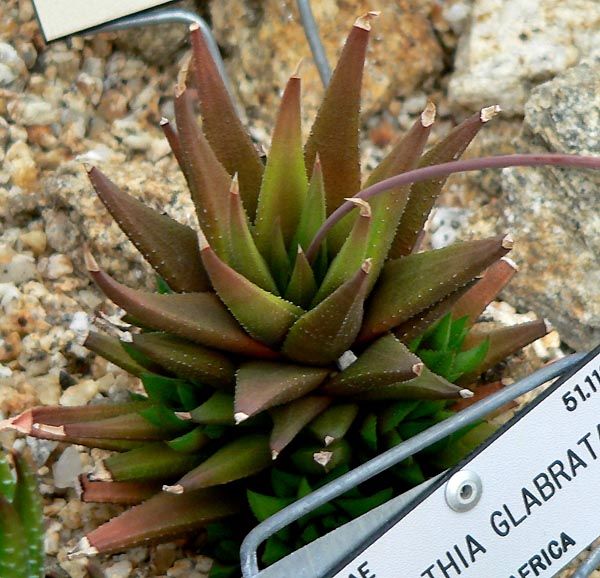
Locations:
column 21, row 524
column 291, row 338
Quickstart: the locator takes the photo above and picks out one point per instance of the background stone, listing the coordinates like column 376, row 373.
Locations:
column 264, row 42
column 555, row 213
column 513, row 45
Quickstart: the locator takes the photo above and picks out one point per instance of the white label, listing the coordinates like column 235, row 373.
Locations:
column 540, row 504
column 60, row 18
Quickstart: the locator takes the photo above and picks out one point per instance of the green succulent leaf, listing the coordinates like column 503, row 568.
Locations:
column 222, row 127
column 124, row 493
column 190, row 442
column 285, row 183
column 356, row 507
column 322, row 334
column 236, row 460
column 333, row 424
column 216, row 410
column 162, row 516
column 156, row 461
column 335, row 132
column 395, row 413
column 261, row 385
column 186, row 359
column 13, row 543
column 290, row 419
column 264, row 507
column 263, row 315
column 170, row 247
column 411, row 284
column 7, row 480
column 384, row 362
column 28, row 506
column 424, row 195
column 302, row 286
column 111, row 348
column 163, row 390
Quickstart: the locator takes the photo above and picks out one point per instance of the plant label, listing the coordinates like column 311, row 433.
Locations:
column 522, row 506
column 59, row 18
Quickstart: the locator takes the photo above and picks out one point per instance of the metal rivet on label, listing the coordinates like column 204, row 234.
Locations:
column 463, row 491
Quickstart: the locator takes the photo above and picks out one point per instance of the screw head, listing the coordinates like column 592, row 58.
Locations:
column 463, row 491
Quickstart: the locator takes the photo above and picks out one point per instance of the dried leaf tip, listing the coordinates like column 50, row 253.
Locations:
column 297, row 70
column 418, row 368
column 510, row 263
column 56, row 430
column 239, row 417
column 164, row 121
column 365, row 208
column 508, row 242
column 184, row 415
column 202, row 240
column 549, row 327
column 101, row 473
column 328, row 440
column 323, row 458
column 364, row 21
column 274, row 454
column 428, row 114
column 346, row 360
column 83, row 548
column 367, row 266
column 176, row 489
column 466, row 393
column 489, row 112
column 194, row 26
column 90, row 263
column 234, row 188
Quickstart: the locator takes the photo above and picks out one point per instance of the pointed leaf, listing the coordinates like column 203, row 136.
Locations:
column 428, row 385
column 325, row 332
column 424, row 194
column 28, row 504
column 238, row 459
column 481, row 392
column 8, row 483
column 163, row 390
column 206, row 177
column 222, row 126
column 160, row 519
column 261, row 385
column 200, row 317
column 469, row 360
column 186, row 359
column 389, row 206
column 302, row 286
column 504, row 341
column 416, row 326
column 156, row 461
column 356, row 507
column 351, row 255
column 335, row 132
column 285, row 183
column 395, row 413
column 314, row 211
column 13, row 544
column 474, row 302
column 384, row 362
column 263, row 315
column 264, row 507
column 124, row 493
column 334, row 423
column 110, row 348
column 277, row 256
column 170, row 247
column 411, row 284
column 130, row 426
column 190, row 442
column 290, row 419
column 217, row 409
column 245, row 256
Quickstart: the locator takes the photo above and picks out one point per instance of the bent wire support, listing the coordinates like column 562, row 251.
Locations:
column 341, row 485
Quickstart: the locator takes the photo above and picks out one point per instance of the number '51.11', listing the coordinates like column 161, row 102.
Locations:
column 580, row 393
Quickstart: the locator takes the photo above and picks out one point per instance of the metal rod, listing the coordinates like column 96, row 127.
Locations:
column 250, row 545
column 169, row 16
column 314, row 40
column 591, row 564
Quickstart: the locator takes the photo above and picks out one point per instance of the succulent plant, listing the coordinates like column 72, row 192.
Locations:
column 21, row 524
column 290, row 337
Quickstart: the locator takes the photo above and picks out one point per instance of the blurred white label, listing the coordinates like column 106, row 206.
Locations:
column 60, row 18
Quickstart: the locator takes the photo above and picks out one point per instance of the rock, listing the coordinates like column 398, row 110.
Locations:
column 67, row 468
column 553, row 213
column 13, row 71
column 513, row 45
column 18, row 270
column 30, row 110
column 265, row 41
column 34, row 240
column 121, row 569
column 157, row 44
column 79, row 394
column 56, row 266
